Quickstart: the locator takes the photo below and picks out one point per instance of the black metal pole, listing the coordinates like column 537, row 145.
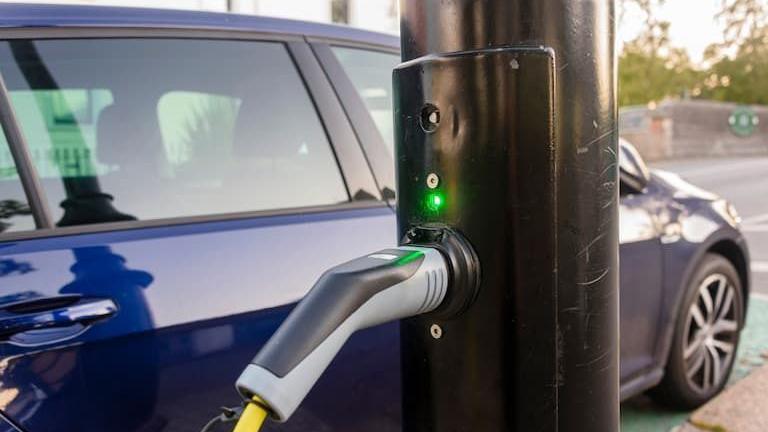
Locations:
column 506, row 132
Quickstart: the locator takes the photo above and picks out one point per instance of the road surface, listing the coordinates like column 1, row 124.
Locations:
column 744, row 182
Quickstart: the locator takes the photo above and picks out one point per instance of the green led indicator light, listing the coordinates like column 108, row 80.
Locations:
column 435, row 201
column 413, row 256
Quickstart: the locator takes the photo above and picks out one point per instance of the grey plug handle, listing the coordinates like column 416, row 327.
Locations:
column 384, row 286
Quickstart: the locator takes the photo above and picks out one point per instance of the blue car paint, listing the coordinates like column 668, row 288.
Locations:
column 641, row 259
column 8, row 426
column 186, row 327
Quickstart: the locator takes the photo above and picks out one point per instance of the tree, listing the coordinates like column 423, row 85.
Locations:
column 738, row 67
column 742, row 19
column 645, row 78
column 741, row 77
column 650, row 68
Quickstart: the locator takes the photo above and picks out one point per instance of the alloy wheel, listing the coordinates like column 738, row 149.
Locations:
column 711, row 333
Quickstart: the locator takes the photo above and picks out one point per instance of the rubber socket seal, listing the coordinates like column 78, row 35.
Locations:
column 463, row 263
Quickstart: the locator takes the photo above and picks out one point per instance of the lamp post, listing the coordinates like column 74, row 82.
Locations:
column 506, row 132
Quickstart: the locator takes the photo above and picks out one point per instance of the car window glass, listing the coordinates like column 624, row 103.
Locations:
column 192, row 122
column 631, row 161
column 60, row 132
column 625, row 162
column 371, row 74
column 625, row 190
column 137, row 129
column 15, row 214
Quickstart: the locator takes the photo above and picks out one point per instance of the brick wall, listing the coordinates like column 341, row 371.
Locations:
column 689, row 129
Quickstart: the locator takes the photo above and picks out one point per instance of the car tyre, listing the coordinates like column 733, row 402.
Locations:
column 706, row 336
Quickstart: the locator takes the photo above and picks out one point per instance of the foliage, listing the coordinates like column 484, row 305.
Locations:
column 646, row 76
column 743, row 76
column 736, row 70
column 742, row 19
column 650, row 68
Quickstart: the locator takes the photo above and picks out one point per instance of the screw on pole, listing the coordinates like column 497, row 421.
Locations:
column 436, row 331
column 433, row 181
column 429, row 118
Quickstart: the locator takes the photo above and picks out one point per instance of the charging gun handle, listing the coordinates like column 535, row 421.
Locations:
column 385, row 286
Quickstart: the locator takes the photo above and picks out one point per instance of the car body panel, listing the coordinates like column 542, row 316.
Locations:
column 641, row 275
column 698, row 224
column 691, row 222
column 168, row 347
column 7, row 426
column 20, row 16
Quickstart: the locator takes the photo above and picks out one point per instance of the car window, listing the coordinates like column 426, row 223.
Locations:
column 138, row 129
column 15, row 214
column 371, row 74
column 631, row 161
column 625, row 190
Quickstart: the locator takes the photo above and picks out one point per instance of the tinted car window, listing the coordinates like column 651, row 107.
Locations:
column 371, row 74
column 631, row 161
column 15, row 214
column 126, row 129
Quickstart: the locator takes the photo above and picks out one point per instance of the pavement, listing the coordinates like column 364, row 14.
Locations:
column 736, row 409
column 743, row 406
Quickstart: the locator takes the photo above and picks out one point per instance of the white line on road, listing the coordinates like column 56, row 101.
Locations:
column 759, row 266
column 753, row 220
column 754, row 228
column 705, row 168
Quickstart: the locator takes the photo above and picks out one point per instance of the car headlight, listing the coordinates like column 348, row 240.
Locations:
column 731, row 211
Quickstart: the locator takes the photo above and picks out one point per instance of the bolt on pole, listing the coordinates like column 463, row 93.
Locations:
column 506, row 132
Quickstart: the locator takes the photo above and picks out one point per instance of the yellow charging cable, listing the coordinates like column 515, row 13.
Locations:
column 253, row 416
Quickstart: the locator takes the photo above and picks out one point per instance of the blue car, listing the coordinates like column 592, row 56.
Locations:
column 173, row 182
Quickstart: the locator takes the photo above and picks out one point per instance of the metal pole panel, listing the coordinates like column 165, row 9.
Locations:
column 511, row 106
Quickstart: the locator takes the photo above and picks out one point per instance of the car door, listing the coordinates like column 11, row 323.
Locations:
column 192, row 196
column 641, row 270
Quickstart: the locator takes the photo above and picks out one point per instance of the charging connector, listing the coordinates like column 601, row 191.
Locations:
column 384, row 286
column 436, row 272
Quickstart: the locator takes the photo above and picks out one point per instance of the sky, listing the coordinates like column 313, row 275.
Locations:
column 693, row 24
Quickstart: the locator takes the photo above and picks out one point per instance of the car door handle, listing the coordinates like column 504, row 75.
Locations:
column 53, row 312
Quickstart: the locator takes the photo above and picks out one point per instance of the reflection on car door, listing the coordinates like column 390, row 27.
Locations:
column 641, row 283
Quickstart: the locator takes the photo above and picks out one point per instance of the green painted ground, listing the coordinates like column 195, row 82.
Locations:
column 642, row 415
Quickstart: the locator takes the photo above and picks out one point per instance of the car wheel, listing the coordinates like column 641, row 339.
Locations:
column 706, row 336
